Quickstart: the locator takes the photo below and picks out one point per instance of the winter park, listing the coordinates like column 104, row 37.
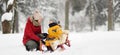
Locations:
column 59, row 27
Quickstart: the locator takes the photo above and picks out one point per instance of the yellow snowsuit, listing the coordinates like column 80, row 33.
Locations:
column 54, row 33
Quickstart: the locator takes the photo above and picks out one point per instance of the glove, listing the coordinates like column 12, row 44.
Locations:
column 42, row 35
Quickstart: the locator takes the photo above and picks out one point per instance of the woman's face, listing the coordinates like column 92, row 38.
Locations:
column 39, row 20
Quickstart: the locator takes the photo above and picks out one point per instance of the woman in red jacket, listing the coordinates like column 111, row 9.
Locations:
column 31, row 39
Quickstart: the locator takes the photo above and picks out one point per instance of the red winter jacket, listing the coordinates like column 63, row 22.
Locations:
column 31, row 31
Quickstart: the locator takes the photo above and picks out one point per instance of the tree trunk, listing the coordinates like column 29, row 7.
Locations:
column 6, row 27
column 15, row 20
column 92, row 17
column 1, row 12
column 15, row 23
column 110, row 16
column 67, row 15
column 93, row 12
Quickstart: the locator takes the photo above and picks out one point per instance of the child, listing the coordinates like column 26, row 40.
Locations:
column 54, row 34
column 56, row 37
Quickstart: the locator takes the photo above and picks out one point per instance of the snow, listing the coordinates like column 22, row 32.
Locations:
column 22, row 22
column 84, row 43
column 10, row 2
column 0, row 32
column 4, row 7
column 7, row 16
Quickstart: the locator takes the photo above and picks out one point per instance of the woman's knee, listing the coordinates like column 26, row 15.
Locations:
column 31, row 45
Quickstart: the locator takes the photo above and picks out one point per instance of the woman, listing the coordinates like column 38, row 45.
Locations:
column 32, row 38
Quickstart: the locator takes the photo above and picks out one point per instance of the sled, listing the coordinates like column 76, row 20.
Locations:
column 63, row 40
column 54, row 44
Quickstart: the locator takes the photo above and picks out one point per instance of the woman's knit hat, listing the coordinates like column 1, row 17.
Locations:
column 37, row 15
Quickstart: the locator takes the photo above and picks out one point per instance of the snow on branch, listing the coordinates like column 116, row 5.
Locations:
column 10, row 2
column 7, row 16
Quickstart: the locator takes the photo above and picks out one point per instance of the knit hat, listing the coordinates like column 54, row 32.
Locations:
column 37, row 15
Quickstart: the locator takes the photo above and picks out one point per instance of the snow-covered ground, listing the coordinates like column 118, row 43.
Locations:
column 89, row 43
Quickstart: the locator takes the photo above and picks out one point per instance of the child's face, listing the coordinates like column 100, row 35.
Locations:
column 50, row 21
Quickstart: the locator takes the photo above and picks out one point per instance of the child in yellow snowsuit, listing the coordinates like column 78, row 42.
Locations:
column 54, row 34
column 56, row 37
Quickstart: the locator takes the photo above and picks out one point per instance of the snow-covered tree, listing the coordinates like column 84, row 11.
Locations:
column 7, row 17
column 48, row 8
